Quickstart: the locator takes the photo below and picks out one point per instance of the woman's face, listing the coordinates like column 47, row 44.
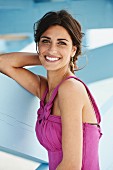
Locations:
column 55, row 48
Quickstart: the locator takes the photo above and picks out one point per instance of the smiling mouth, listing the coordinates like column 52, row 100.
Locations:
column 51, row 59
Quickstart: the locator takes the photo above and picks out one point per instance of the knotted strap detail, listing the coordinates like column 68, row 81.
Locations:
column 44, row 111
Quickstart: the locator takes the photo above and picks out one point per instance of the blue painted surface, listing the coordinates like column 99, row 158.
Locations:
column 100, row 64
column 106, row 143
column 18, row 114
column 103, row 94
column 20, row 15
column 43, row 167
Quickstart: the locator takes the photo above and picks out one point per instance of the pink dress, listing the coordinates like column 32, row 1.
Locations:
column 49, row 133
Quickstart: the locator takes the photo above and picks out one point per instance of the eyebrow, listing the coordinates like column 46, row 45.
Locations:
column 45, row 37
column 59, row 39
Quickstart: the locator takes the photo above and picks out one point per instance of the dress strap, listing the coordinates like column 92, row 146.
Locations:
column 88, row 91
column 44, row 95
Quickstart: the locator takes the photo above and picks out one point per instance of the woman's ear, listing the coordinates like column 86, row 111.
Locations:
column 74, row 49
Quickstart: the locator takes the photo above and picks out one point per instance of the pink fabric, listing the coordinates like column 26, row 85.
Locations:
column 49, row 133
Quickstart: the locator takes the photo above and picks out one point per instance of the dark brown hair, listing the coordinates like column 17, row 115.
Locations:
column 64, row 19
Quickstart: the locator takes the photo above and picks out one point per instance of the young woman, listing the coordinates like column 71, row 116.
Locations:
column 68, row 117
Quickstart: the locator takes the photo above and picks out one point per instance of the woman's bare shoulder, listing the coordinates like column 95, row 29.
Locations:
column 71, row 95
column 72, row 85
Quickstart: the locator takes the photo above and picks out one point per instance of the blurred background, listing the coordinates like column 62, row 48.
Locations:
column 19, row 148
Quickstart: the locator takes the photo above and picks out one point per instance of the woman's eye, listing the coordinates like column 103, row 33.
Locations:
column 62, row 43
column 45, row 41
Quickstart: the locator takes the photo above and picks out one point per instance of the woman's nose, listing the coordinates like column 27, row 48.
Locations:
column 52, row 48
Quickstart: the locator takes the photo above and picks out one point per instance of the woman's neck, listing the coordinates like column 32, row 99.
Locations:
column 55, row 77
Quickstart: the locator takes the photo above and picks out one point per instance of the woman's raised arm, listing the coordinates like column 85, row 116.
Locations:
column 19, row 59
column 11, row 64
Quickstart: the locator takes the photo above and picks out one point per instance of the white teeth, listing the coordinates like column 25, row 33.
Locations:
column 52, row 59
